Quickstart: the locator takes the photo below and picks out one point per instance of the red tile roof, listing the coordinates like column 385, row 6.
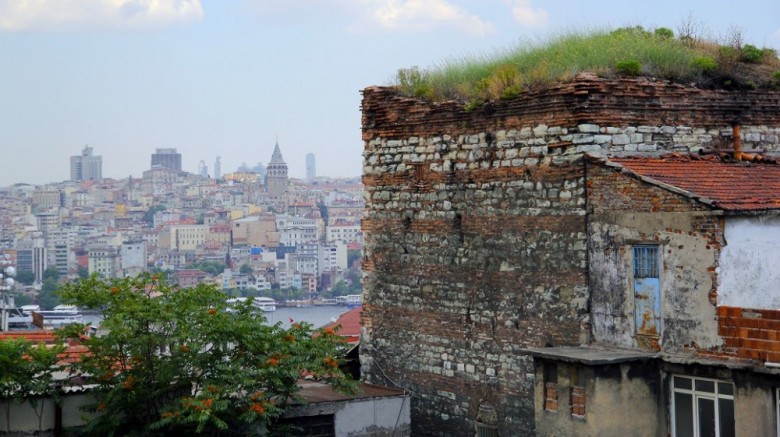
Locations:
column 47, row 337
column 350, row 325
column 731, row 186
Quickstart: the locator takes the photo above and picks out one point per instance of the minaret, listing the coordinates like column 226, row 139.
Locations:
column 276, row 176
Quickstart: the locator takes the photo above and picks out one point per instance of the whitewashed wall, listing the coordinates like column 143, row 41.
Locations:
column 749, row 265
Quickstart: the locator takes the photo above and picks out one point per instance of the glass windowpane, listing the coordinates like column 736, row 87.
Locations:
column 706, row 410
column 725, row 388
column 705, row 386
column 683, row 415
column 726, row 417
column 680, row 382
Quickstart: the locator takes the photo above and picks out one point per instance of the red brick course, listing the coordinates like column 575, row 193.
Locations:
column 752, row 334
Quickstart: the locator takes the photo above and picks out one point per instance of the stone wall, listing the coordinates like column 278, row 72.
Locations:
column 476, row 236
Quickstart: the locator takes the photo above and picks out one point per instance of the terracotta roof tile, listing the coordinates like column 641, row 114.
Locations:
column 732, row 186
column 349, row 323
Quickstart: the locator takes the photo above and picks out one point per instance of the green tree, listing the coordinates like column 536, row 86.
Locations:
column 24, row 277
column 27, row 374
column 246, row 269
column 83, row 272
column 51, row 273
column 47, row 297
column 213, row 268
column 174, row 360
column 354, row 256
column 149, row 214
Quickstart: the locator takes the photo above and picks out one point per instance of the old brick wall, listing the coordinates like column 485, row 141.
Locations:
column 476, row 233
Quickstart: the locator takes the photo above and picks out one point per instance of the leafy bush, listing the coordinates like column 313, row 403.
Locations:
column 752, row 54
column 664, row 32
column 704, row 63
column 629, row 67
column 415, row 80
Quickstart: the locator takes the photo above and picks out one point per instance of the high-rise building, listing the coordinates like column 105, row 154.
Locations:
column 276, row 177
column 168, row 158
column 218, row 168
column 86, row 167
column 203, row 170
column 31, row 256
column 311, row 167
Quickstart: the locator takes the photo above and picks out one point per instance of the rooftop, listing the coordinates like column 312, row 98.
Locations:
column 723, row 184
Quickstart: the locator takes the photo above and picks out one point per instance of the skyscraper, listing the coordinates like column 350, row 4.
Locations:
column 276, row 177
column 203, row 170
column 218, row 168
column 168, row 158
column 311, row 167
column 86, row 167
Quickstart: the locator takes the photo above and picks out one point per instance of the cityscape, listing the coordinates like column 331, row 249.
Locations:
column 365, row 218
column 251, row 230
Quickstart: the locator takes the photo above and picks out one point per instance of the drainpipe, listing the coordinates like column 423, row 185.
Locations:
column 737, row 141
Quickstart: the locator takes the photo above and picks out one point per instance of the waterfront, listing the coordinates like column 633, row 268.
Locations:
column 316, row 315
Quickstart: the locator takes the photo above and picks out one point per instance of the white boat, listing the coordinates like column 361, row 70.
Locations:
column 61, row 315
column 28, row 309
column 263, row 303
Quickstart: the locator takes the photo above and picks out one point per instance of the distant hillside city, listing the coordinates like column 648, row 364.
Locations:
column 252, row 232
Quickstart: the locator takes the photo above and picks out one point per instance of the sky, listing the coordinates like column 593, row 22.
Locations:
column 231, row 77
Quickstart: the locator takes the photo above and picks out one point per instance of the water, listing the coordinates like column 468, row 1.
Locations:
column 317, row 315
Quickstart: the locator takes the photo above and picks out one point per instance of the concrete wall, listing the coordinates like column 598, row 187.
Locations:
column 24, row 420
column 363, row 417
column 620, row 400
column 748, row 272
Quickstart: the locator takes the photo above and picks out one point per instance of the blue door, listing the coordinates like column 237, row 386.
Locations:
column 647, row 291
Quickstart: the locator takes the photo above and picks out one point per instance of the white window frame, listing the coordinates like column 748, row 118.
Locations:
column 777, row 410
column 696, row 394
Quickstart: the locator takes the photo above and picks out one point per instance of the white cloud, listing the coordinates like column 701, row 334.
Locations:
column 524, row 13
column 421, row 15
column 65, row 15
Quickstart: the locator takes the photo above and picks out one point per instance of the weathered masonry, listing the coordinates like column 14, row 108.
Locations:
column 479, row 245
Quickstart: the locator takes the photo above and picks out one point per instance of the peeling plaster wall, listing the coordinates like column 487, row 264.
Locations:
column 625, row 212
column 749, row 270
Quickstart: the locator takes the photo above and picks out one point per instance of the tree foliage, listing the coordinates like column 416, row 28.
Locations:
column 213, row 268
column 27, row 374
column 175, row 360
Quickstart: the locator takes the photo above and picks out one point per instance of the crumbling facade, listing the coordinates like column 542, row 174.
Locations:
column 489, row 238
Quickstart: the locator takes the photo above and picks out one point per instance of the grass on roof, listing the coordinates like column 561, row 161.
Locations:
column 631, row 51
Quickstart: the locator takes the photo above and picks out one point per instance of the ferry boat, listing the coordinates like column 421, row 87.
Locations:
column 350, row 300
column 262, row 303
column 60, row 316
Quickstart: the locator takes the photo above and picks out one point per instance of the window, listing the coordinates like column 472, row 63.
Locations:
column 702, row 407
column 647, row 290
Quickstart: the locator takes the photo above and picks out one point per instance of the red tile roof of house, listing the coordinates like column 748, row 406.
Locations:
column 350, row 325
column 71, row 354
column 38, row 336
column 731, row 186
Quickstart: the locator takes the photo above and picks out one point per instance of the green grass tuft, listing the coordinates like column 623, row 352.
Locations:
column 510, row 72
